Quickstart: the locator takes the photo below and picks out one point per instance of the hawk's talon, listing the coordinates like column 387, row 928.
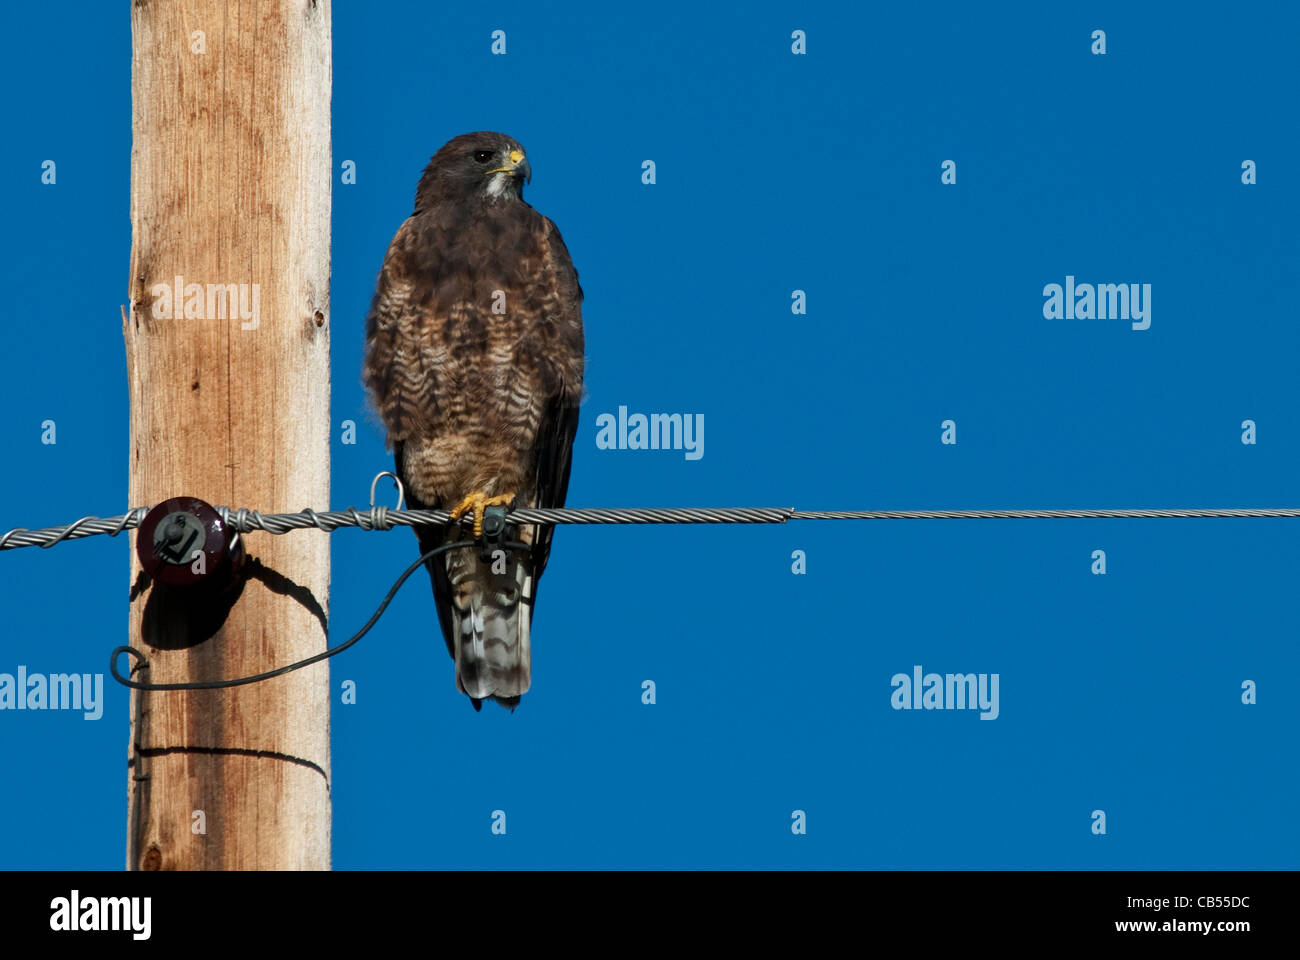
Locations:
column 478, row 502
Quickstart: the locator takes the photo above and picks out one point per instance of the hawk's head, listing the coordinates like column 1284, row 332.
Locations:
column 482, row 164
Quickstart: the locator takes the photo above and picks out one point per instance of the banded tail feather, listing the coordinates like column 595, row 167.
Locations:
column 491, row 617
column 485, row 609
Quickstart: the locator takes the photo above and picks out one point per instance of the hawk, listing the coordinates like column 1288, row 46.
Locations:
column 474, row 361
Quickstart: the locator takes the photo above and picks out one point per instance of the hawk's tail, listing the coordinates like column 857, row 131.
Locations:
column 491, row 612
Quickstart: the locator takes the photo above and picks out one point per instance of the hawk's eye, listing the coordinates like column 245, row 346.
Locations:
column 482, row 156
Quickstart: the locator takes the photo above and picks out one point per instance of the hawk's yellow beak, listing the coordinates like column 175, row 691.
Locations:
column 519, row 166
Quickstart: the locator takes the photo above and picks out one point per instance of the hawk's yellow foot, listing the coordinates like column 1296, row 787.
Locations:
column 478, row 502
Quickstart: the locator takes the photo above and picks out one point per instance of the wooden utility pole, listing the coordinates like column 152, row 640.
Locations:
column 230, row 214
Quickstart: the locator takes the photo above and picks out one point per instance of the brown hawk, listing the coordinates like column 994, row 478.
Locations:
column 474, row 360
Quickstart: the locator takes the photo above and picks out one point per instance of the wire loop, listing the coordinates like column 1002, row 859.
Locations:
column 401, row 491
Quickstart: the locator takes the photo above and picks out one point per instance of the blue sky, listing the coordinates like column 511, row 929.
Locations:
column 774, row 173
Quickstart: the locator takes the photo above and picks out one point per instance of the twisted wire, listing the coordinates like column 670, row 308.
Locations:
column 384, row 518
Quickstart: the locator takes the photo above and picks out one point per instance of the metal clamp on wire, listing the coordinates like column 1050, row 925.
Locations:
column 494, row 531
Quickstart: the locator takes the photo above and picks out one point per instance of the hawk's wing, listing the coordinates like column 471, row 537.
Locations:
column 400, row 370
column 554, row 448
